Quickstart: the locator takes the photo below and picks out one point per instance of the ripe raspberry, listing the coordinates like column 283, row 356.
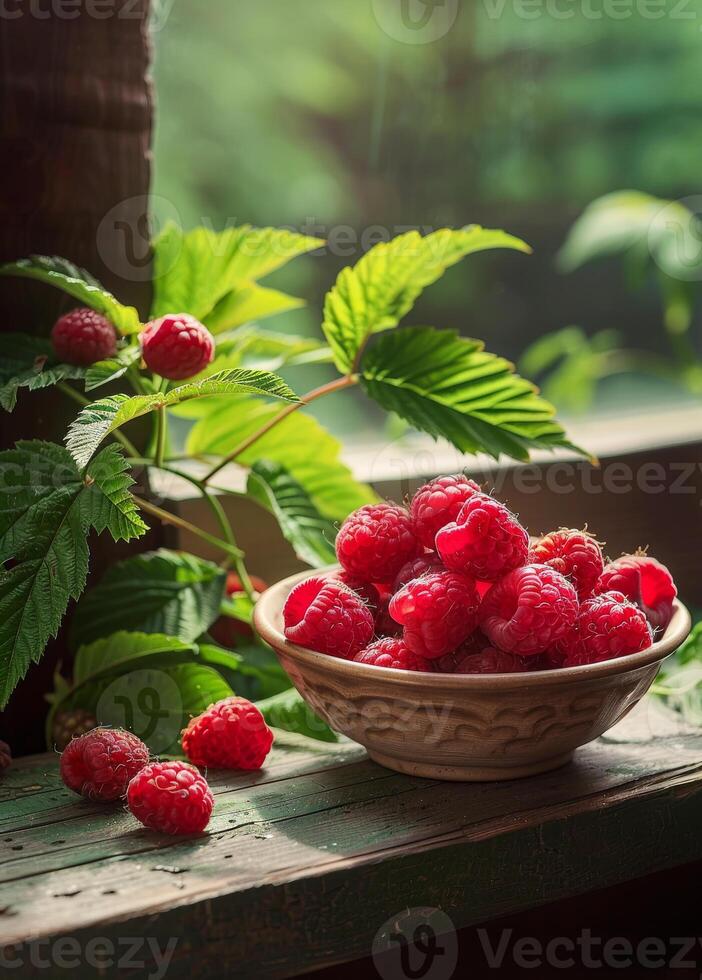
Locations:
column 326, row 616
column 416, row 568
column 438, row 611
column 364, row 590
column 528, row 610
column 5, row 756
column 575, row 554
column 392, row 653
column 644, row 581
column 231, row 734
column 485, row 541
column 438, row 503
column 177, row 346
column 171, row 797
column 375, row 542
column 491, row 661
column 100, row 764
column 83, row 337
column 385, row 625
column 608, row 626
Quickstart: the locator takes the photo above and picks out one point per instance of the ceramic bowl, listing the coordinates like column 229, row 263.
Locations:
column 466, row 727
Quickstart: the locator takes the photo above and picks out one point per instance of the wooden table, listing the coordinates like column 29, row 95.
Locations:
column 303, row 862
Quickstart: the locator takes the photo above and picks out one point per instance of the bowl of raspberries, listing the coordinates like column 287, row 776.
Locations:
column 453, row 645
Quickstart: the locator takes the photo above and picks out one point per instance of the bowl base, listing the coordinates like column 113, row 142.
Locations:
column 470, row 774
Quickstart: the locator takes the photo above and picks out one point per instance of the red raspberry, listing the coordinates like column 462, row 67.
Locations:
column 438, row 503
column 485, row 541
column 5, row 756
column 392, row 652
column 644, row 581
column 364, row 590
column 528, row 610
column 177, row 346
column 491, row 661
column 326, row 616
column 575, row 554
column 416, row 568
column 375, row 542
column 231, row 734
column 438, row 611
column 83, row 337
column 607, row 627
column 100, row 764
column 171, row 797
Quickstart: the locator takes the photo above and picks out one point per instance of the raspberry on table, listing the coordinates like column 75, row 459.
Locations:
column 171, row 797
column 608, row 626
column 528, row 610
column 83, row 337
column 438, row 503
column 100, row 764
column 416, row 568
column 575, row 554
column 326, row 616
column 437, row 611
column 644, row 581
column 485, row 541
column 376, row 541
column 177, row 346
column 392, row 652
column 231, row 734
column 5, row 756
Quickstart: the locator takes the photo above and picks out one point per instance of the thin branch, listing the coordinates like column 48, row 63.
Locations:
column 346, row 382
column 167, row 518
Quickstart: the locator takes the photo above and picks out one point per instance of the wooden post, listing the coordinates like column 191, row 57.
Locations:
column 76, row 114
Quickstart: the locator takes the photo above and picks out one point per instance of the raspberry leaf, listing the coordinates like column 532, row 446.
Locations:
column 103, row 372
column 311, row 535
column 195, row 271
column 328, row 483
column 377, row 292
column 29, row 362
column 246, row 303
column 288, row 711
column 96, row 421
column 47, row 512
column 77, row 283
column 158, row 592
column 450, row 387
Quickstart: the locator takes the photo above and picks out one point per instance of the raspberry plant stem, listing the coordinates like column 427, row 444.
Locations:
column 338, row 385
column 161, row 428
column 167, row 518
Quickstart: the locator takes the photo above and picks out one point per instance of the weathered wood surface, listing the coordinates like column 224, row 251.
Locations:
column 303, row 862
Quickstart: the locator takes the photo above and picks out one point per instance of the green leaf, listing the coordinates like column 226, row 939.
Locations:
column 159, row 592
column 77, row 283
column 252, row 671
column 450, row 387
column 194, row 271
column 40, row 375
column 246, row 303
column 96, row 421
column 103, row 372
column 311, row 535
column 299, row 443
column 19, row 352
column 271, row 351
column 46, row 513
column 377, row 292
column 123, row 649
column 289, row 712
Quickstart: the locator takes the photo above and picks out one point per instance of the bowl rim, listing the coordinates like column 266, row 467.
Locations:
column 269, row 607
